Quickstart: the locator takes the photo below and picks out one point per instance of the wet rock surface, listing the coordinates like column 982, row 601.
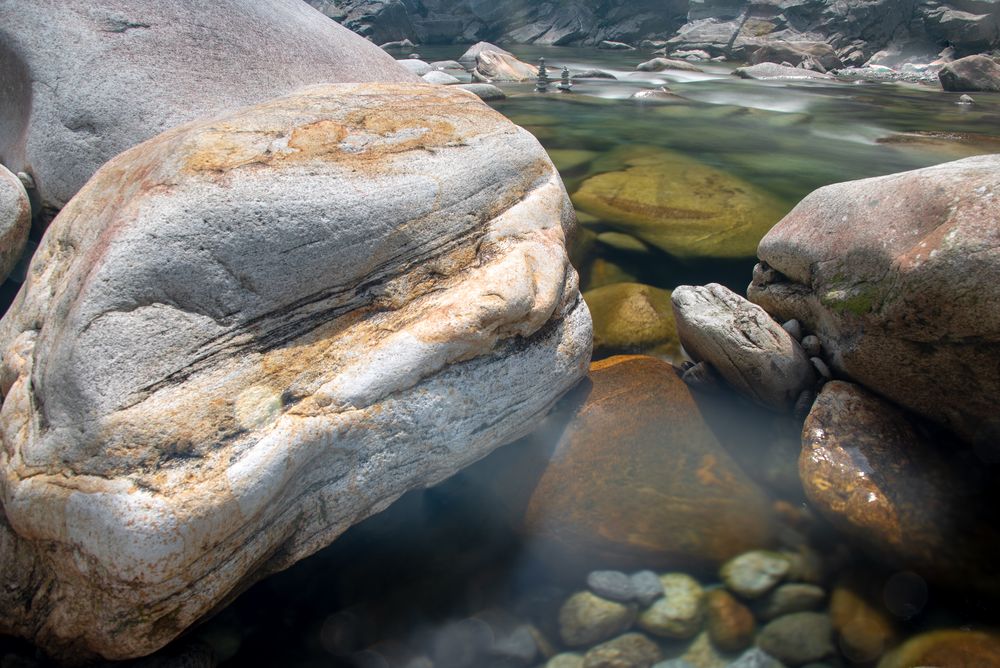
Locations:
column 632, row 318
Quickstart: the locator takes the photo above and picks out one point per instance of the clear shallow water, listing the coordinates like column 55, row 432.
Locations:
column 439, row 556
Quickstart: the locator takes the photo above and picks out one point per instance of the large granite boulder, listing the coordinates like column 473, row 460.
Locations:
column 972, row 73
column 775, row 72
column 497, row 66
column 899, row 276
column 249, row 333
column 84, row 81
column 15, row 220
column 795, row 53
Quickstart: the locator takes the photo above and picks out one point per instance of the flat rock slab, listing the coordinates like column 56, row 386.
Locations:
column 249, row 333
column 85, row 81
column 775, row 72
column 751, row 351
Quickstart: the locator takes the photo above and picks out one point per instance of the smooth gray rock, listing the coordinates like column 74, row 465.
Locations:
column 440, row 78
column 447, row 65
column 755, row 657
column 249, row 333
column 615, row 46
column 775, row 72
column 612, row 585
column 83, row 82
column 15, row 220
column 789, row 598
column 484, row 91
column 415, row 65
column 752, row 352
column 593, row 74
column 971, row 74
column 471, row 54
column 647, row 587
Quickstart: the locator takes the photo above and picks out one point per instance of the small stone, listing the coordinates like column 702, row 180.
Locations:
column 821, row 368
column 565, row 660
column 674, row 663
column 647, row 587
column 632, row 650
column 755, row 657
column 864, row 627
column 702, row 653
column 798, row 638
column 953, row 648
column 586, row 619
column 680, row 612
column 753, row 574
column 789, row 598
column 461, row 643
column 811, row 345
column 730, row 623
column 701, row 376
column 612, row 585
column 794, row 327
column 965, row 99
column 519, row 646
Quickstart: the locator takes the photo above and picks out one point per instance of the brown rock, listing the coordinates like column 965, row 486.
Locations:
column 899, row 277
column 864, row 628
column 730, row 623
column 869, row 470
column 497, row 66
column 632, row 650
column 972, row 73
column 947, row 649
column 637, row 477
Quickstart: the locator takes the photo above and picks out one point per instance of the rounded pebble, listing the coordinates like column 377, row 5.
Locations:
column 789, row 598
column 793, row 327
column 753, row 574
column 798, row 638
column 680, row 612
column 612, row 585
column 811, row 345
column 586, row 619
column 647, row 587
column 632, row 650
column 730, row 623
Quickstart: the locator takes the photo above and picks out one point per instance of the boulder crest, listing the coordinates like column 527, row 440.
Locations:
column 249, row 333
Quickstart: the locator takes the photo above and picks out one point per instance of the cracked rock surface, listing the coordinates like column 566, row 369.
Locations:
column 83, row 81
column 899, row 277
column 249, row 333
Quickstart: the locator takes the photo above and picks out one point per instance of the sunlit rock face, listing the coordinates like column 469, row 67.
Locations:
column 249, row 333
column 899, row 276
column 84, row 81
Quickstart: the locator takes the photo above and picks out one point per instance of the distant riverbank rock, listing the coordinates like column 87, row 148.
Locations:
column 249, row 333
column 496, row 66
column 86, row 82
column 796, row 53
column 775, row 72
column 637, row 478
column 752, row 352
column 678, row 204
column 15, row 220
column 887, row 487
column 971, row 74
column 632, row 318
column 472, row 53
column 661, row 64
column 899, row 277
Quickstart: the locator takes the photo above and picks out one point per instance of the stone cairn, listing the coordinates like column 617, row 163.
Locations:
column 542, row 83
column 565, row 85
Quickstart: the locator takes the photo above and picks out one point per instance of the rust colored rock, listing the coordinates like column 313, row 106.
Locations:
column 865, row 630
column 639, row 479
column 730, row 623
column 881, row 481
column 947, row 649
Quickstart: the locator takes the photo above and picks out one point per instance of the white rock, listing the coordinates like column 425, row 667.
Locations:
column 440, row 78
column 15, row 220
column 86, row 80
column 249, row 333
column 415, row 65
column 739, row 339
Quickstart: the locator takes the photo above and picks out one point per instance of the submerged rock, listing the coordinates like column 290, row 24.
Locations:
column 971, row 74
column 679, row 613
column 637, row 478
column 679, row 205
column 15, row 221
column 865, row 630
column 951, row 648
column 586, row 619
column 899, row 277
column 789, row 598
column 249, row 333
column 752, row 352
column 85, row 82
column 632, row 318
column 878, row 478
column 755, row 573
column 798, row 638
column 730, row 623
column 632, row 650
